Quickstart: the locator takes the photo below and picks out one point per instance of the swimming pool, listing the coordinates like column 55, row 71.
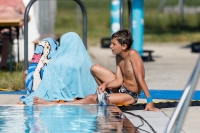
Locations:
column 63, row 119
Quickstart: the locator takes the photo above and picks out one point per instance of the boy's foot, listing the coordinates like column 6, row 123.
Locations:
column 102, row 98
column 38, row 100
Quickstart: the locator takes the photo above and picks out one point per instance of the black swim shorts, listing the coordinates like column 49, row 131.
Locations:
column 135, row 96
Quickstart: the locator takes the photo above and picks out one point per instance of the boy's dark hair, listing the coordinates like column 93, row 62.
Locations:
column 123, row 37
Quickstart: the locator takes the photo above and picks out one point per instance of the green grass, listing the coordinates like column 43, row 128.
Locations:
column 12, row 81
column 159, row 27
column 69, row 18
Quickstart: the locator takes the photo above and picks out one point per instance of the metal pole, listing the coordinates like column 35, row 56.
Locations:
column 84, row 13
column 181, row 6
column 130, row 15
column 176, row 112
column 26, row 33
column 192, row 84
column 181, row 109
column 122, row 14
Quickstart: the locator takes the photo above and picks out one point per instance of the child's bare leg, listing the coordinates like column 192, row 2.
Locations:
column 90, row 99
column 102, row 74
column 120, row 98
column 38, row 100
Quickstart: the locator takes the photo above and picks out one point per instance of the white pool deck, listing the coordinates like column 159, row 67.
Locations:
column 171, row 70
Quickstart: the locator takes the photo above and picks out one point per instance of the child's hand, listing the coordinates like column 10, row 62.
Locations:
column 102, row 88
column 150, row 107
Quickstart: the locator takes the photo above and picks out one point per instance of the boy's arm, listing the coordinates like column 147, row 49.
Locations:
column 138, row 68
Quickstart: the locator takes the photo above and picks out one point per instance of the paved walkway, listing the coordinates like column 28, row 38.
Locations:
column 171, row 70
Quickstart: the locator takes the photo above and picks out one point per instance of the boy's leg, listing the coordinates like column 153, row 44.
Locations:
column 101, row 75
column 120, row 98
column 90, row 99
column 115, row 98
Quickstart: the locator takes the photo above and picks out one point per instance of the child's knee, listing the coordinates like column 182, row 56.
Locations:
column 94, row 68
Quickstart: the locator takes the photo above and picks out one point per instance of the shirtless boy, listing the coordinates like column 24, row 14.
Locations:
column 128, row 81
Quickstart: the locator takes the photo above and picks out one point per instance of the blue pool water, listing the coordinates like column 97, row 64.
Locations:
column 63, row 119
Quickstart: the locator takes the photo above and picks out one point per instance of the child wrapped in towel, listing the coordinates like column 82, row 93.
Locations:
column 65, row 75
column 42, row 54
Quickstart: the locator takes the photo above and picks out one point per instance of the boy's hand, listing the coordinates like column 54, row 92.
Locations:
column 150, row 107
column 102, row 88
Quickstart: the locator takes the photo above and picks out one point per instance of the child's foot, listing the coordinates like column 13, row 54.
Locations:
column 103, row 98
column 38, row 100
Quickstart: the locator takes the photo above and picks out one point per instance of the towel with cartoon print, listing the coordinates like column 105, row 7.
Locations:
column 42, row 54
column 67, row 74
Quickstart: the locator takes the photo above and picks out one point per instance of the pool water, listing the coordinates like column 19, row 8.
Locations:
column 63, row 119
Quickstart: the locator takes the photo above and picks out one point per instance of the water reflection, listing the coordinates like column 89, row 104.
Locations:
column 62, row 119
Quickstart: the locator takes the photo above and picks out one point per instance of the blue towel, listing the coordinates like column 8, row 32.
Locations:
column 68, row 73
column 42, row 54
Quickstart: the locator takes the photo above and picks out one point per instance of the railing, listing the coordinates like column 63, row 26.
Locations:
column 180, row 112
column 26, row 28
column 129, row 14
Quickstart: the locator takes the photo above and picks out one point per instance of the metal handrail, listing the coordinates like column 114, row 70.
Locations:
column 84, row 13
column 179, row 114
column 129, row 14
column 121, row 14
column 26, row 33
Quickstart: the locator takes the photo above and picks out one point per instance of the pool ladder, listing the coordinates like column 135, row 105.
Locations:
column 180, row 112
